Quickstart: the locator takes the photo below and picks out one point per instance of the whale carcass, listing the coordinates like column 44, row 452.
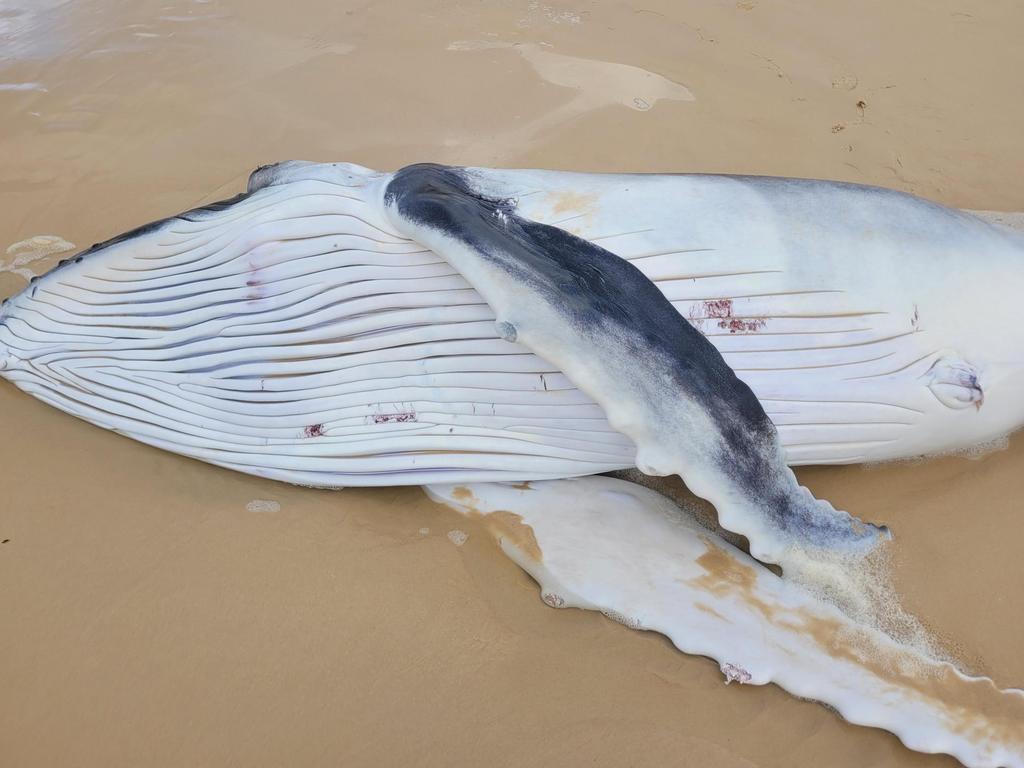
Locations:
column 293, row 333
column 336, row 326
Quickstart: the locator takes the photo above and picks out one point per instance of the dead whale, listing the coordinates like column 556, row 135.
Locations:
column 336, row 326
column 293, row 333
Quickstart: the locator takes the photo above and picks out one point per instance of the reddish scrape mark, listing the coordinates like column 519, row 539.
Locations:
column 314, row 430
column 255, row 289
column 721, row 310
column 737, row 325
column 394, row 418
column 718, row 308
column 254, row 282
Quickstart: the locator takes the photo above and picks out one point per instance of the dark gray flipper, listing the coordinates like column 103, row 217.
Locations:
column 617, row 337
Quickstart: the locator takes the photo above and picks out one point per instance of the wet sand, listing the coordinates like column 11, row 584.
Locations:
column 151, row 618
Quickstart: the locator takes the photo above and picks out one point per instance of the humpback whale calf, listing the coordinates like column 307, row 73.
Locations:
column 294, row 333
column 450, row 327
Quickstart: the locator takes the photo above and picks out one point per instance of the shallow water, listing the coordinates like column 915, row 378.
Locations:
column 166, row 612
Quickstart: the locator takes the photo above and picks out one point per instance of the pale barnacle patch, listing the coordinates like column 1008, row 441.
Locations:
column 552, row 600
column 457, row 537
column 734, row 674
column 620, row 618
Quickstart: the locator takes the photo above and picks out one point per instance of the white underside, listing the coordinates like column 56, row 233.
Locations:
column 295, row 335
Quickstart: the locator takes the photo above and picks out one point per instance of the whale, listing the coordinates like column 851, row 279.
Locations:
column 293, row 332
column 500, row 337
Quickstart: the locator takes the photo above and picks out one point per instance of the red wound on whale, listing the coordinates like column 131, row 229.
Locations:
column 314, row 430
column 718, row 308
column 740, row 325
column 721, row 310
column 394, row 418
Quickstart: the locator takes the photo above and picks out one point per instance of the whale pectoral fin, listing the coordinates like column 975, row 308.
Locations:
column 616, row 336
column 954, row 382
column 607, row 545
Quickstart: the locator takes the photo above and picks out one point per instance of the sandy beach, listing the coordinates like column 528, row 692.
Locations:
column 163, row 612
